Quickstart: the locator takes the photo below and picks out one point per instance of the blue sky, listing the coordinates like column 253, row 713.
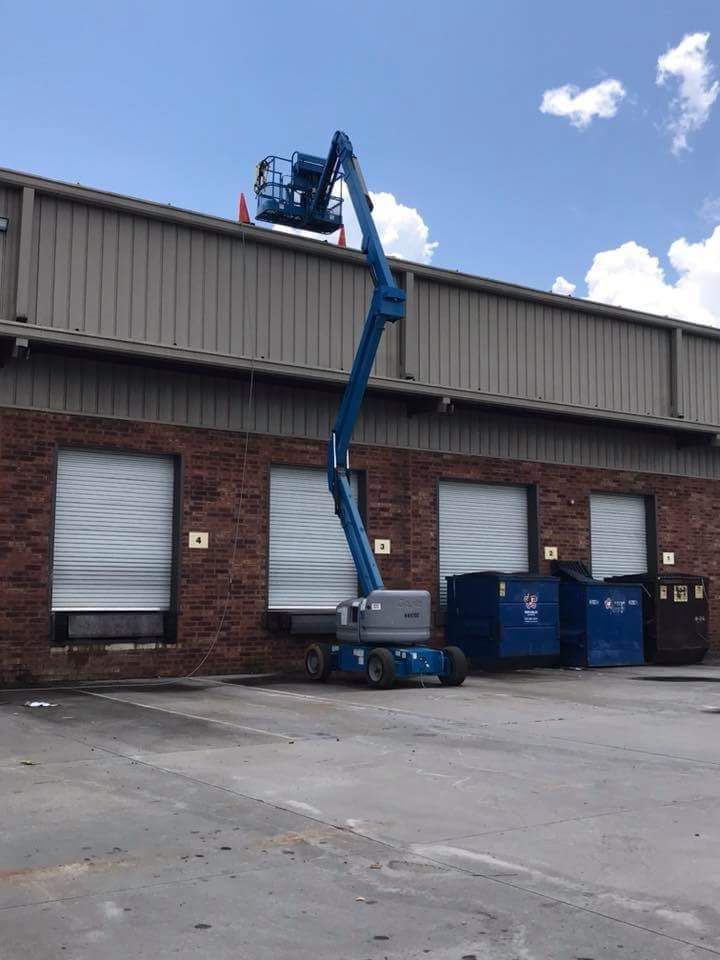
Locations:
column 176, row 102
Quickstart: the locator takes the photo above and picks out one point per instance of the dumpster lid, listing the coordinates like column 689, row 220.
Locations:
column 657, row 578
column 502, row 575
column 573, row 570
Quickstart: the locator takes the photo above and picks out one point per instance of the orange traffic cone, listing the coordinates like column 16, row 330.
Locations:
column 242, row 213
column 341, row 238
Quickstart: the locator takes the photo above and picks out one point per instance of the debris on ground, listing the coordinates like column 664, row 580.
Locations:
column 38, row 703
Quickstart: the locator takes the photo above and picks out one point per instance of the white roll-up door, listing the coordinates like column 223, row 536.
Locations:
column 482, row 527
column 310, row 565
column 618, row 534
column 113, row 540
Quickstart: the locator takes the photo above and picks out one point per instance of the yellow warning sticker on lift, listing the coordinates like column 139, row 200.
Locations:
column 502, row 588
column 699, row 591
column 680, row 593
column 663, row 593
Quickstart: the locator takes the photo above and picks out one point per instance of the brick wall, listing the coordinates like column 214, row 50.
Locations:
column 402, row 505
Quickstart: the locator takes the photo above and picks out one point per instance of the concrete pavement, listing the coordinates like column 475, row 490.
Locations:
column 544, row 814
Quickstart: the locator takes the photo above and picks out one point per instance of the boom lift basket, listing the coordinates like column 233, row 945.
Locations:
column 286, row 188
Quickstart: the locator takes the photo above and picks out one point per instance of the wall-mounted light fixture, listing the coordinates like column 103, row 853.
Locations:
column 4, row 223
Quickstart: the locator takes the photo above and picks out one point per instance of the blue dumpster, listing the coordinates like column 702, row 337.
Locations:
column 503, row 620
column 601, row 624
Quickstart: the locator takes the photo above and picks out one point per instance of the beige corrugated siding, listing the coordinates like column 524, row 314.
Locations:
column 112, row 267
column 9, row 245
column 73, row 385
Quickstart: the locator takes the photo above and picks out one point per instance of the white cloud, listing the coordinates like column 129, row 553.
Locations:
column 629, row 276
column 402, row 230
column 710, row 209
column 581, row 106
column 690, row 65
column 563, row 287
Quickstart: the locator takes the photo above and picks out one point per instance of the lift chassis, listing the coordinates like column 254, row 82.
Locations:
column 384, row 633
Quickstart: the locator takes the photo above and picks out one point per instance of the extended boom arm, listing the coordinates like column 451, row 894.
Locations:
column 387, row 304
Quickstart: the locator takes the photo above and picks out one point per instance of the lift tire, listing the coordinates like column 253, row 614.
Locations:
column 318, row 662
column 380, row 669
column 458, row 667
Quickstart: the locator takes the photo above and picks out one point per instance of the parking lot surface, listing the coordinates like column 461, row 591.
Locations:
column 543, row 814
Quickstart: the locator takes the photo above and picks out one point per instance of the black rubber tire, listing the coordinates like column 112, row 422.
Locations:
column 458, row 667
column 318, row 662
column 380, row 669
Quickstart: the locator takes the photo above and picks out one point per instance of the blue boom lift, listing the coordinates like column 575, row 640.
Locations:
column 384, row 633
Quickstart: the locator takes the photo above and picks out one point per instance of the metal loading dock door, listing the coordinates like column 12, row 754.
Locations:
column 618, row 534
column 309, row 565
column 481, row 527
column 113, row 542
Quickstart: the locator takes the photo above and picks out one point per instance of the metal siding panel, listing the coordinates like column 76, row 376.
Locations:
column 78, row 268
column 153, row 308
column 512, row 352
column 299, row 333
column 168, row 286
column 429, row 369
column 150, row 399
column 276, row 259
column 352, row 314
column 313, row 307
column 49, row 382
column 196, row 336
column 61, row 265
column 464, row 340
column 10, row 202
column 46, row 210
column 139, row 291
column 108, row 277
column 91, row 320
column 340, row 340
column 584, row 394
column 693, row 395
column 124, row 278
column 181, row 292
column 500, row 345
column 210, row 293
column 263, row 319
column 423, row 291
column 238, row 299
column 321, row 344
column 224, row 318
column 249, row 298
column 113, row 532
column 702, row 376
column 449, row 325
column 474, row 336
column 89, row 384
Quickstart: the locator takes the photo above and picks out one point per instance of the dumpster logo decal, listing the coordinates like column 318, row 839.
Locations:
column 614, row 606
column 530, row 613
column 680, row 593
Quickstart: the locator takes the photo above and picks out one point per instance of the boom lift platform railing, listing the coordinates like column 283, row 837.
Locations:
column 384, row 633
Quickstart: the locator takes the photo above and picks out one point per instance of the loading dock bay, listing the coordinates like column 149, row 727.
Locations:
column 545, row 814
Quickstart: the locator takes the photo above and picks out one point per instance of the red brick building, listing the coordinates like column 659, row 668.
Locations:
column 168, row 383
